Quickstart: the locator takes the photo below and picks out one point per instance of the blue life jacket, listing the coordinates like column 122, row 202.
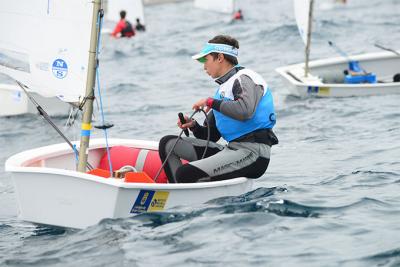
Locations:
column 263, row 118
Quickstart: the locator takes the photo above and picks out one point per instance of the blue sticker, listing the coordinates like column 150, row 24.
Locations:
column 312, row 89
column 143, row 201
column 149, row 200
column 60, row 68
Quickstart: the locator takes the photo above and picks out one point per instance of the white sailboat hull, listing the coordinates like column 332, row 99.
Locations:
column 13, row 101
column 50, row 191
column 326, row 76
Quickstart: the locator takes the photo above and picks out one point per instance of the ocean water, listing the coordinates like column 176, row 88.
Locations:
column 330, row 196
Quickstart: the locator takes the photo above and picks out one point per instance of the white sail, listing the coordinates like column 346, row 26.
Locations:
column 301, row 11
column 44, row 44
column 224, row 6
column 133, row 8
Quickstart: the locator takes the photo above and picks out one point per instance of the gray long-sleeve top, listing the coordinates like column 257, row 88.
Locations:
column 246, row 94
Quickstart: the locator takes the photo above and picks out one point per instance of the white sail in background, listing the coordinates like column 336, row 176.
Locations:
column 44, row 44
column 301, row 11
column 133, row 8
column 224, row 6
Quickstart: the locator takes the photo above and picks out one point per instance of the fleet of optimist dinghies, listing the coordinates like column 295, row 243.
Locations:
column 324, row 78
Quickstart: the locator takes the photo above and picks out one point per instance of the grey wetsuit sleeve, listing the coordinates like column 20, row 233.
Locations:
column 246, row 94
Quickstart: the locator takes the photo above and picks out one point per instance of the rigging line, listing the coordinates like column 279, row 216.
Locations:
column 99, row 24
column 46, row 116
column 69, row 120
column 340, row 51
column 387, row 49
column 208, row 133
column 344, row 54
column 74, row 112
column 178, row 138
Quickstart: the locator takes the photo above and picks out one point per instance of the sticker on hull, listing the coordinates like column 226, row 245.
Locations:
column 325, row 91
column 17, row 96
column 149, row 200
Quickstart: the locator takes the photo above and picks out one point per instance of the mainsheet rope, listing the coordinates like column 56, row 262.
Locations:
column 179, row 138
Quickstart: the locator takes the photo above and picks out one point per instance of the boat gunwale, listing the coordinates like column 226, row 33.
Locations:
column 17, row 164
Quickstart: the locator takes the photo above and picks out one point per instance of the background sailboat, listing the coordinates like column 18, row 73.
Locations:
column 49, row 188
column 326, row 78
column 133, row 8
column 14, row 101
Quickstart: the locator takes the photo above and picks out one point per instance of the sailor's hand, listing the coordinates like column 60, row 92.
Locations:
column 188, row 124
column 201, row 104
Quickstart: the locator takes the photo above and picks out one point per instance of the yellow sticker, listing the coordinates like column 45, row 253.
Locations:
column 159, row 200
column 144, row 198
column 324, row 91
column 150, row 200
column 86, row 126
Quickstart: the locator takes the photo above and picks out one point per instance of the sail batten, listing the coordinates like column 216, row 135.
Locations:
column 44, row 45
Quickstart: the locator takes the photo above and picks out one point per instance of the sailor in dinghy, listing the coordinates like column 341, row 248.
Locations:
column 242, row 113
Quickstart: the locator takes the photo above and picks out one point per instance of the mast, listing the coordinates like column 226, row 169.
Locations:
column 308, row 45
column 90, row 83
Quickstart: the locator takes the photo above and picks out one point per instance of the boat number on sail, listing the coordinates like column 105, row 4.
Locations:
column 60, row 68
column 318, row 90
column 149, row 200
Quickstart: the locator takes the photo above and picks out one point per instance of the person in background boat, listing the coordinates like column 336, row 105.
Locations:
column 238, row 15
column 139, row 26
column 241, row 111
column 396, row 78
column 124, row 27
